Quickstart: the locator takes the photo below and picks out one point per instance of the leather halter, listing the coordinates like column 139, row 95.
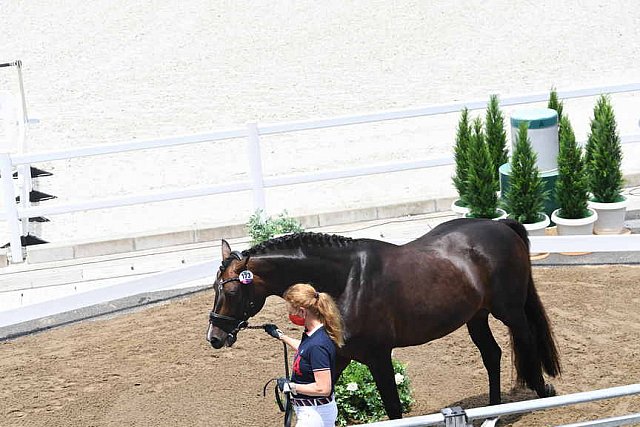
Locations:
column 232, row 325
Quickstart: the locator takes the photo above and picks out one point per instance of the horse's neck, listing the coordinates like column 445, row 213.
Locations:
column 323, row 273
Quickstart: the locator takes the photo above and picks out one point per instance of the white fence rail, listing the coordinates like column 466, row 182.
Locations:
column 519, row 408
column 15, row 214
column 150, row 283
column 603, row 243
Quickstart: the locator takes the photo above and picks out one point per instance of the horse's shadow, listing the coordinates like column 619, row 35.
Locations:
column 480, row 400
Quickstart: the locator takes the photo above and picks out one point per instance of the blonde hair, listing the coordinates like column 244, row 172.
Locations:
column 303, row 295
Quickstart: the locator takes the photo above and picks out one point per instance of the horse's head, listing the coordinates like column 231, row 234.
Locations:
column 236, row 298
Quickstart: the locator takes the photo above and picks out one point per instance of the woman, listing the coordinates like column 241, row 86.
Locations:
column 312, row 378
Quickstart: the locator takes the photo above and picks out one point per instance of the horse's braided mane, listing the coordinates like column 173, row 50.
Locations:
column 296, row 240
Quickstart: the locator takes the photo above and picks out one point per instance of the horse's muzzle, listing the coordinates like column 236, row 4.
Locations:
column 216, row 343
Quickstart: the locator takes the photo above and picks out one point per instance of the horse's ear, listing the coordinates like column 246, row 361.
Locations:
column 226, row 249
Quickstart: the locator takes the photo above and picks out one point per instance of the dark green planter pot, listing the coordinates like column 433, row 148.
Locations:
column 548, row 179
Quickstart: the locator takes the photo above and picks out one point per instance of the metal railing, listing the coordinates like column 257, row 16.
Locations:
column 459, row 417
column 257, row 182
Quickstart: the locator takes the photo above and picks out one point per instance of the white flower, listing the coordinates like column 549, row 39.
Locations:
column 399, row 378
column 352, row 386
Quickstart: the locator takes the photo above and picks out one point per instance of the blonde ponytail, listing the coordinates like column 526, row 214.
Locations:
column 321, row 304
column 330, row 316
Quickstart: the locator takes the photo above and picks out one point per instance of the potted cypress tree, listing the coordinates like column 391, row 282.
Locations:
column 525, row 196
column 604, row 169
column 496, row 137
column 573, row 216
column 461, row 158
column 481, row 194
column 555, row 103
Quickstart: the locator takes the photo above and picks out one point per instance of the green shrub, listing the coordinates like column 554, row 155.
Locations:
column 555, row 103
column 481, row 194
column 571, row 186
column 261, row 228
column 524, row 200
column 588, row 149
column 496, row 138
column 604, row 154
column 461, row 156
column 358, row 399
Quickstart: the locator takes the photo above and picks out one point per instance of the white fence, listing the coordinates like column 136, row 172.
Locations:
column 14, row 215
column 459, row 418
column 150, row 283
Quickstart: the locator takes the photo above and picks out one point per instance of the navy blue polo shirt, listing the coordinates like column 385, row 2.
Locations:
column 315, row 353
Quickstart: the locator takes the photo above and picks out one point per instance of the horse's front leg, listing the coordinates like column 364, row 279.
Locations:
column 341, row 363
column 379, row 363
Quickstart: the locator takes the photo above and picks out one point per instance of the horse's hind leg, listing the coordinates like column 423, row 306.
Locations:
column 379, row 363
column 527, row 362
column 482, row 337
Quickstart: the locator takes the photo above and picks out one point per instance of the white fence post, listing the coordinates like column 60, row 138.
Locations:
column 255, row 166
column 10, row 208
column 25, row 117
column 24, row 178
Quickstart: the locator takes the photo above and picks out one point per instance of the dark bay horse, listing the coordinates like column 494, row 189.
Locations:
column 397, row 296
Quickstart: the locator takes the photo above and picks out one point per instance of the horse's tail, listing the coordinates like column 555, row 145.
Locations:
column 539, row 326
column 518, row 228
column 541, row 331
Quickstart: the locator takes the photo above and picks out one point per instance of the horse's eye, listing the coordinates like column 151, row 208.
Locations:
column 231, row 290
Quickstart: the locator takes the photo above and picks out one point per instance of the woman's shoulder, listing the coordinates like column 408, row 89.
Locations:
column 325, row 339
column 319, row 334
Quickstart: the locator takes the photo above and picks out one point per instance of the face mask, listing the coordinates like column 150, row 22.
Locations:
column 296, row 320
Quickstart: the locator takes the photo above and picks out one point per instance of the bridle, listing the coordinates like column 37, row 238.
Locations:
column 232, row 325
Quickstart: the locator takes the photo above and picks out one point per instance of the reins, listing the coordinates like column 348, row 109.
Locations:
column 285, row 407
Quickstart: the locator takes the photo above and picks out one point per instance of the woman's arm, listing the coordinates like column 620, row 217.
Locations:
column 273, row 330
column 291, row 342
column 321, row 387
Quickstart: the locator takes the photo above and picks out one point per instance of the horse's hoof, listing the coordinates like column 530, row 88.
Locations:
column 549, row 390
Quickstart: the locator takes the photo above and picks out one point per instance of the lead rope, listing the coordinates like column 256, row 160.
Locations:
column 287, row 408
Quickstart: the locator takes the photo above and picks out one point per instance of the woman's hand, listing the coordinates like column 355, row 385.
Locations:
column 273, row 330
column 286, row 386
